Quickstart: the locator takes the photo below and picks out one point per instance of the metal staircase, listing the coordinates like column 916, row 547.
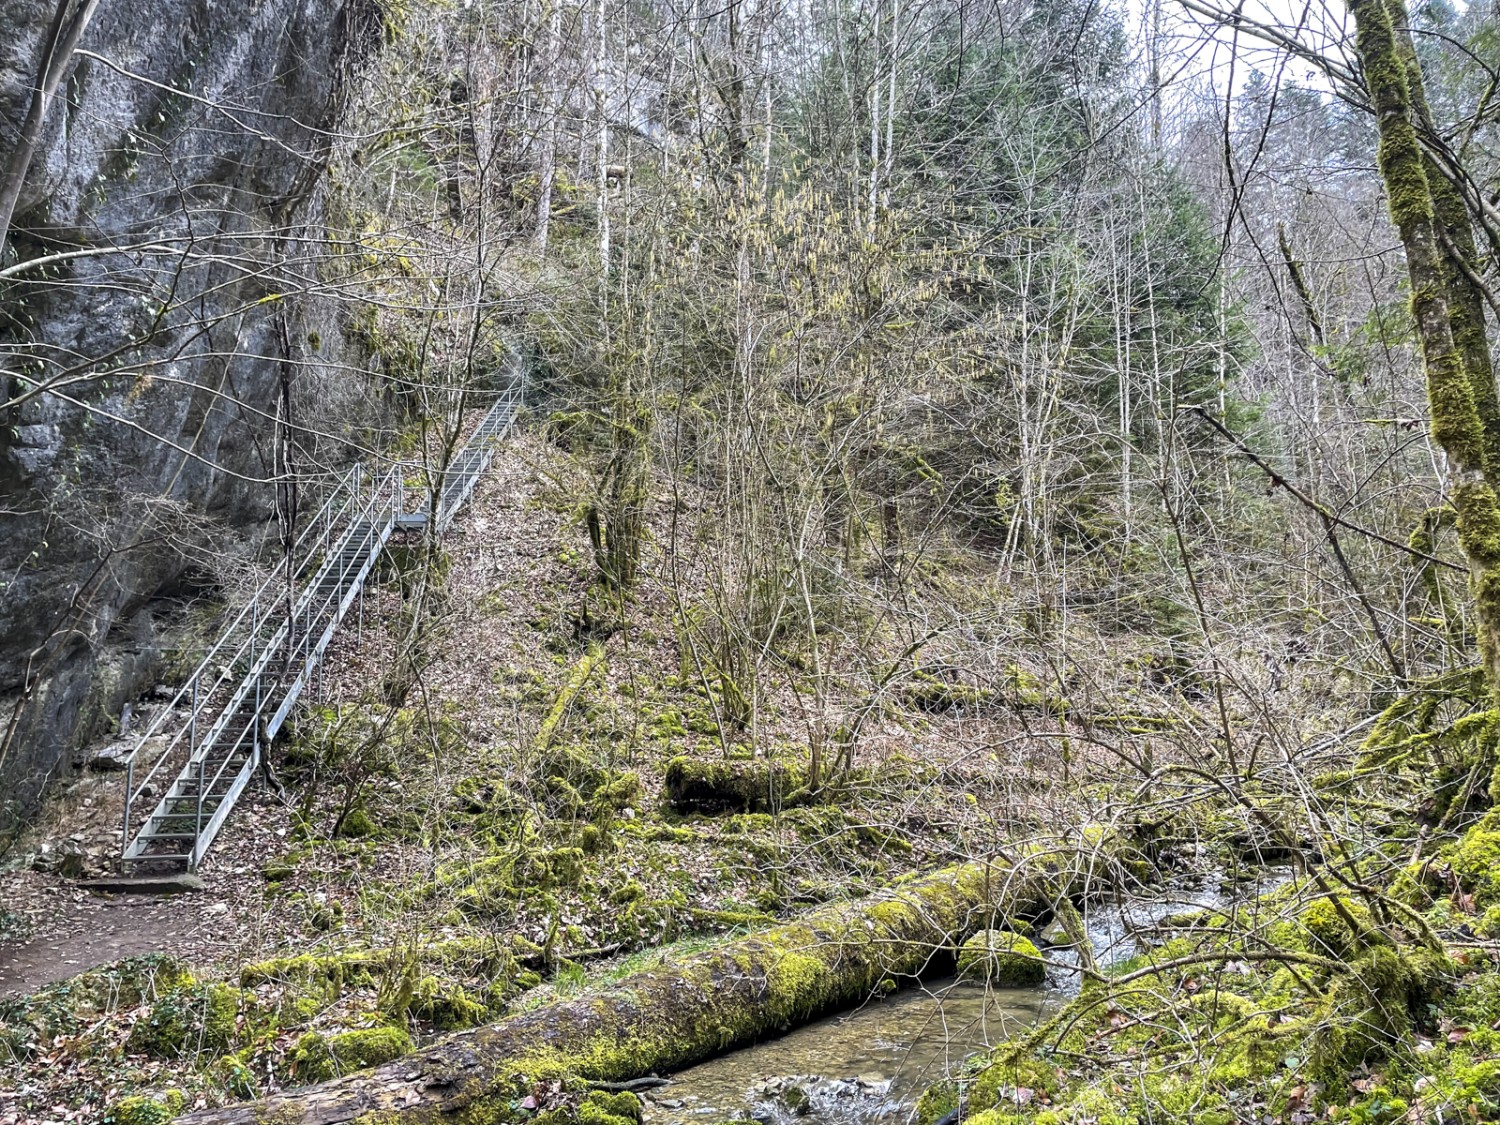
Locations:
column 210, row 737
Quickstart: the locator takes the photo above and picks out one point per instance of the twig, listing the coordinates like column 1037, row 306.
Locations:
column 1279, row 480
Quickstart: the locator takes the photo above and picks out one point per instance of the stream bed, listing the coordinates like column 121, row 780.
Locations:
column 865, row 1065
column 868, row 1065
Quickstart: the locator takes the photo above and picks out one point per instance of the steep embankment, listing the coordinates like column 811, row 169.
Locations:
column 188, row 152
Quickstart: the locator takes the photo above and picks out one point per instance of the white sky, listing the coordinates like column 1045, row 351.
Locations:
column 1197, row 52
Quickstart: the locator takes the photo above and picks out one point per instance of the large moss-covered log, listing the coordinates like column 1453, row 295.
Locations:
column 669, row 1017
column 747, row 786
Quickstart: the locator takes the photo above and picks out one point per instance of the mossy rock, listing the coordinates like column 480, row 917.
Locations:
column 444, row 1005
column 321, row 977
column 937, row 696
column 357, row 823
column 317, row 1058
column 1476, row 861
column 1001, row 957
column 620, row 793
column 1325, row 931
column 592, row 840
column 573, row 766
column 197, row 1019
column 143, row 1109
column 1006, row 1074
column 602, row 1108
column 1371, row 1010
column 937, row 1102
column 29, row 1023
column 489, row 797
column 278, row 870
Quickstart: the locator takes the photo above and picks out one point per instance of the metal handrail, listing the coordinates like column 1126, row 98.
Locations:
column 348, row 485
column 348, row 482
column 317, row 598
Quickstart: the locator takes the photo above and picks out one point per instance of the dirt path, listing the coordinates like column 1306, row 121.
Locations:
column 75, row 930
column 93, row 934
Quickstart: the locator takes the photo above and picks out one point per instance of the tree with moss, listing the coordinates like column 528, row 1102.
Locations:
column 1446, row 300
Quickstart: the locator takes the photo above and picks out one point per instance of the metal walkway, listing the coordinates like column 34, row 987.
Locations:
column 241, row 694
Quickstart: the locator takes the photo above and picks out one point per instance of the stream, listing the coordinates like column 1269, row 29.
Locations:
column 868, row 1066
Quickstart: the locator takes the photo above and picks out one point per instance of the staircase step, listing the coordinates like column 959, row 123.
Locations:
column 146, row 885
column 330, row 571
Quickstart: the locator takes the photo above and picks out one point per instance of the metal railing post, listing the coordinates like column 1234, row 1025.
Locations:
column 129, row 796
column 198, row 830
column 254, row 628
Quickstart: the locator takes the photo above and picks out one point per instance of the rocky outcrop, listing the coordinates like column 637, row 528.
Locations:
column 184, row 159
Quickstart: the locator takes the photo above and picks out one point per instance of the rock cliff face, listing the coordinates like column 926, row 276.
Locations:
column 186, row 153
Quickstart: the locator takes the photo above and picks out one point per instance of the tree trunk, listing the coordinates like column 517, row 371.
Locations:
column 670, row 1017
column 1445, row 330
column 62, row 40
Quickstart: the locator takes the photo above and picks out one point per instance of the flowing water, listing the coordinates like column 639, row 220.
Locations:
column 868, row 1066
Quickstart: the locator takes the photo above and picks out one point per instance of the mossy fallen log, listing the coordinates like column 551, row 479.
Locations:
column 693, row 785
column 753, row 785
column 669, row 1017
column 587, row 665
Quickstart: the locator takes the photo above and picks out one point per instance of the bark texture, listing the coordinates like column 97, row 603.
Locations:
column 1434, row 230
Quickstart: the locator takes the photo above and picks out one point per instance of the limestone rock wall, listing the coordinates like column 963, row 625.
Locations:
column 188, row 153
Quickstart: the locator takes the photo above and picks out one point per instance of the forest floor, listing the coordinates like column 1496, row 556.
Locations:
column 473, row 837
column 505, row 837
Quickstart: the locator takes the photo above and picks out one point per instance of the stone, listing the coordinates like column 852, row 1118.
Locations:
column 1001, row 957
column 63, row 857
column 145, row 885
column 1054, row 933
column 119, row 161
column 111, row 758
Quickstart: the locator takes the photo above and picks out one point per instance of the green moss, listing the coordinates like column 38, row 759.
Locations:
column 356, row 823
column 236, row 1077
column 632, row 891
column 592, row 661
column 188, row 1021
column 444, row 1005
column 30, row 1024
column 937, row 696
column 936, row 1103
column 278, row 870
column 620, row 793
column 573, row 765
column 141, row 1109
column 324, row 976
column 601, row 1108
column 318, row 1058
column 1327, row 932
column 1370, row 1010
column 997, row 1081
column 1477, row 860
column 1001, row 957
